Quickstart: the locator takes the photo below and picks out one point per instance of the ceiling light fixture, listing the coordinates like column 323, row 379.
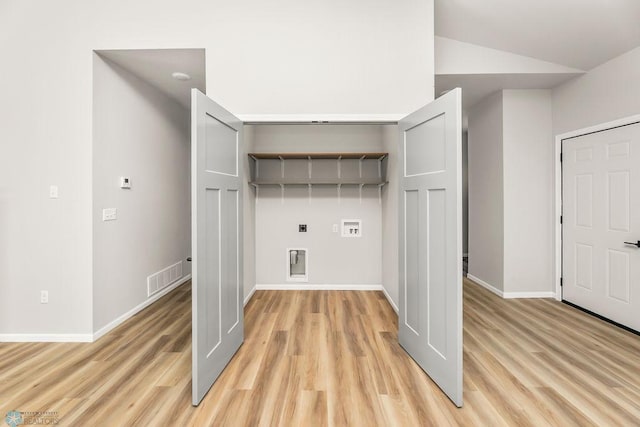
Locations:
column 183, row 77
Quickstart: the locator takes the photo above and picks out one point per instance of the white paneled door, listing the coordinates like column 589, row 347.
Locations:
column 601, row 223
column 216, row 215
column 430, row 309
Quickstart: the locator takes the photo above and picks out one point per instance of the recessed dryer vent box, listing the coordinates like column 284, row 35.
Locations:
column 351, row 228
column 297, row 265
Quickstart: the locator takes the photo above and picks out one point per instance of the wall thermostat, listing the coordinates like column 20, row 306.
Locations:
column 125, row 182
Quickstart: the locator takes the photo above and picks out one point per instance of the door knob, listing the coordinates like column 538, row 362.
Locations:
column 637, row 244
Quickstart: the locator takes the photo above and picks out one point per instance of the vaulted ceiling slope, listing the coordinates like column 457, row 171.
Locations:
column 155, row 66
column 576, row 33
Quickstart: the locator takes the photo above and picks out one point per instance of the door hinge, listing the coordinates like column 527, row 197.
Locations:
column 561, row 282
column 560, row 157
column 560, row 219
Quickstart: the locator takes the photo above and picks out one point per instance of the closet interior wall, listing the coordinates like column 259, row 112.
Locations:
column 280, row 210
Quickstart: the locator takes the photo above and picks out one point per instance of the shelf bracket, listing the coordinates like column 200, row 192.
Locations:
column 281, row 167
column 360, row 191
column 282, row 194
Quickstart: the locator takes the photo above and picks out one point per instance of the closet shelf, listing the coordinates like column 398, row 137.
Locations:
column 312, row 156
column 378, row 183
column 337, row 169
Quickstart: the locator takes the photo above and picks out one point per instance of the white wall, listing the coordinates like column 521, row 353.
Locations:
column 486, row 209
column 511, row 193
column 262, row 58
column 390, row 211
column 141, row 133
column 317, row 138
column 332, row 259
column 608, row 92
column 528, row 188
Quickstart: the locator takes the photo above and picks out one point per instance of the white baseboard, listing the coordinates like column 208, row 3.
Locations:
column 153, row 298
column 485, row 285
column 46, row 337
column 96, row 335
column 393, row 304
column 316, row 287
column 248, row 297
column 510, row 295
column 538, row 294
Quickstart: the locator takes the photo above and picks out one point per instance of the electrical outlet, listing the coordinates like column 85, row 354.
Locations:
column 44, row 297
column 53, row 192
column 351, row 228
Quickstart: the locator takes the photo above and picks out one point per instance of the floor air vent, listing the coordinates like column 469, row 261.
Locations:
column 163, row 278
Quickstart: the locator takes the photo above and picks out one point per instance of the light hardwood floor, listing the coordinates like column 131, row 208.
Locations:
column 332, row 358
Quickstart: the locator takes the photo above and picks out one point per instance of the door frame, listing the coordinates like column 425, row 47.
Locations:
column 558, row 187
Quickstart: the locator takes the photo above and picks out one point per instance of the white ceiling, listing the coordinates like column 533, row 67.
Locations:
column 576, row 33
column 156, row 66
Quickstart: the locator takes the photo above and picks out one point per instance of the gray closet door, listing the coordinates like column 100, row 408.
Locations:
column 216, row 211
column 430, row 311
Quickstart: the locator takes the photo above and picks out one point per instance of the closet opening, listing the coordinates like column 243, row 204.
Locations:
column 337, row 180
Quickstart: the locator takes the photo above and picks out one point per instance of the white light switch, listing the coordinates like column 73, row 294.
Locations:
column 335, row 228
column 109, row 214
column 53, row 192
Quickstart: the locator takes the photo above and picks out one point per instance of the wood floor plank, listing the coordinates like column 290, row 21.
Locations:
column 563, row 412
column 332, row 358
